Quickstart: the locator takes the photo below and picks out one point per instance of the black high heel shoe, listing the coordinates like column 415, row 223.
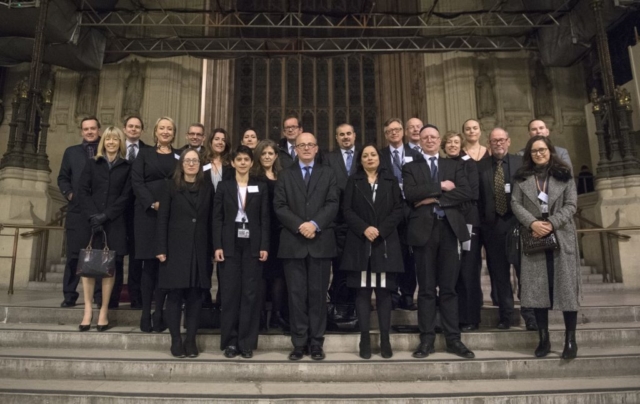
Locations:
column 83, row 328
column 102, row 328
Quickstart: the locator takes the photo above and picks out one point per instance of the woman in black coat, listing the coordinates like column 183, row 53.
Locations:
column 372, row 208
column 469, row 287
column 185, row 249
column 241, row 243
column 151, row 172
column 104, row 193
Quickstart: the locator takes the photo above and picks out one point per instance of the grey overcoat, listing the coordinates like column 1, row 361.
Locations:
column 562, row 206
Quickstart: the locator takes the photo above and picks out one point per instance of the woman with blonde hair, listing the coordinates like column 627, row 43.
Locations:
column 104, row 193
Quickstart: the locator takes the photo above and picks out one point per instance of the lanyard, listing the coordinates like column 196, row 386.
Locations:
column 242, row 203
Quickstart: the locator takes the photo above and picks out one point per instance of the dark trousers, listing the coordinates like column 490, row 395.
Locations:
column 407, row 281
column 241, row 275
column 383, row 307
column 192, row 300
column 438, row 265
column 469, row 287
column 134, row 280
column 150, row 291
column 307, row 284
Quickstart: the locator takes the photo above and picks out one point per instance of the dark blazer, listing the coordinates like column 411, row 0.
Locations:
column 285, row 158
column 418, row 186
column 150, row 183
column 336, row 162
column 470, row 209
column 181, row 228
column 228, row 173
column 78, row 229
column 225, row 208
column 486, row 200
column 108, row 191
column 360, row 212
column 295, row 204
column 385, row 157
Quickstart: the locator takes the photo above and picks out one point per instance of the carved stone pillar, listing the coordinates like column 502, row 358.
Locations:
column 218, row 82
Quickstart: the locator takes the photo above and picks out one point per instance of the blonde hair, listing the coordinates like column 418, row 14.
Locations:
column 449, row 135
column 155, row 128
column 109, row 133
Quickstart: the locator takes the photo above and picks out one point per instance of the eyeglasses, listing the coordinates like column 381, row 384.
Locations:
column 287, row 128
column 430, row 137
column 191, row 161
column 195, row 134
column 541, row 151
column 499, row 141
column 306, row 146
column 392, row 130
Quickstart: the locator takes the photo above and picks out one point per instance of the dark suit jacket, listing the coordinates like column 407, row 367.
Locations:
column 385, row 157
column 129, row 212
column 108, row 191
column 486, row 201
column 285, row 158
column 181, row 228
column 418, row 186
column 295, row 204
column 225, row 209
column 336, row 162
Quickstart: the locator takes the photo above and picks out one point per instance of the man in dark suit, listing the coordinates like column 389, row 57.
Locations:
column 306, row 201
column 195, row 138
column 435, row 189
column 133, row 127
column 412, row 133
column 76, row 224
column 291, row 129
column 343, row 162
column 392, row 158
column 494, row 206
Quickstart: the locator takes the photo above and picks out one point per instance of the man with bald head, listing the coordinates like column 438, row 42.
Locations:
column 539, row 127
column 494, row 206
column 306, row 201
column 412, row 133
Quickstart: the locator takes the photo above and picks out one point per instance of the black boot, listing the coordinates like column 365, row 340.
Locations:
column 158, row 322
column 145, row 322
column 177, row 349
column 544, row 347
column 190, row 348
column 385, row 345
column 570, row 350
column 365, row 345
column 278, row 321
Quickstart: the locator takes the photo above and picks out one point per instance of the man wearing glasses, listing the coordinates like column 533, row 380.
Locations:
column 494, row 206
column 195, row 137
column 393, row 157
column 306, row 201
column 291, row 129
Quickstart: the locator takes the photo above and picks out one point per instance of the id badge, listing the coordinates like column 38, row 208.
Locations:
column 543, row 197
column 507, row 188
column 545, row 208
column 243, row 233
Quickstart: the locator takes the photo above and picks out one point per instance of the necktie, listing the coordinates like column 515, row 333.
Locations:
column 498, row 185
column 397, row 166
column 434, row 177
column 307, row 175
column 131, row 154
column 292, row 152
column 417, row 148
column 91, row 150
column 349, row 160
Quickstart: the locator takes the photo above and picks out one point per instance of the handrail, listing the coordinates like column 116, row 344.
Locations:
column 598, row 228
column 62, row 213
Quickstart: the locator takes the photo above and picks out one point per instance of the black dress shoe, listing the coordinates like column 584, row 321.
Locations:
column 231, row 351
column 66, row 304
column 177, row 348
column 365, row 346
column 296, row 354
column 468, row 327
column 423, row 350
column 531, row 325
column 247, row 353
column 458, row 348
column 317, row 354
column 385, row 346
column 191, row 349
column 570, row 350
column 103, row 328
column 504, row 325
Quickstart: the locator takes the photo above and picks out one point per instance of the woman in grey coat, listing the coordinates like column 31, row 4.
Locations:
column 544, row 200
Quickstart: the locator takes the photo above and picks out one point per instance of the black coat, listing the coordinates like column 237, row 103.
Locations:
column 295, row 204
column 418, row 186
column 385, row 214
column 77, row 228
column 181, row 228
column 225, row 209
column 150, row 183
column 129, row 213
column 486, row 200
column 108, row 191
column 470, row 209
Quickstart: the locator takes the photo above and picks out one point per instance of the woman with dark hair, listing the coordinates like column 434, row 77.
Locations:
column 104, row 192
column 544, row 201
column 250, row 138
column 469, row 286
column 372, row 209
column 216, row 157
column 152, row 170
column 241, row 243
column 184, row 249
column 472, row 134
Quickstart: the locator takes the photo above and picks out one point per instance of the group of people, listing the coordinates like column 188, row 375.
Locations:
column 280, row 221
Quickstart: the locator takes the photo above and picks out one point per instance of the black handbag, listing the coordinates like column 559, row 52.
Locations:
column 97, row 263
column 533, row 245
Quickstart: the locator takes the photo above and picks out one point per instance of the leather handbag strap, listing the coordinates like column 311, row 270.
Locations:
column 106, row 246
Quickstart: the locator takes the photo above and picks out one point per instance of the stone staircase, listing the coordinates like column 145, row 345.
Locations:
column 44, row 359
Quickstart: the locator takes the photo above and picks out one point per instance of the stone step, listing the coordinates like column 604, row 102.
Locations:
column 143, row 366
column 22, row 336
column 127, row 317
column 532, row 391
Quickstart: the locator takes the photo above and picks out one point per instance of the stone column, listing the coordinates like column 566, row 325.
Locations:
column 218, row 95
